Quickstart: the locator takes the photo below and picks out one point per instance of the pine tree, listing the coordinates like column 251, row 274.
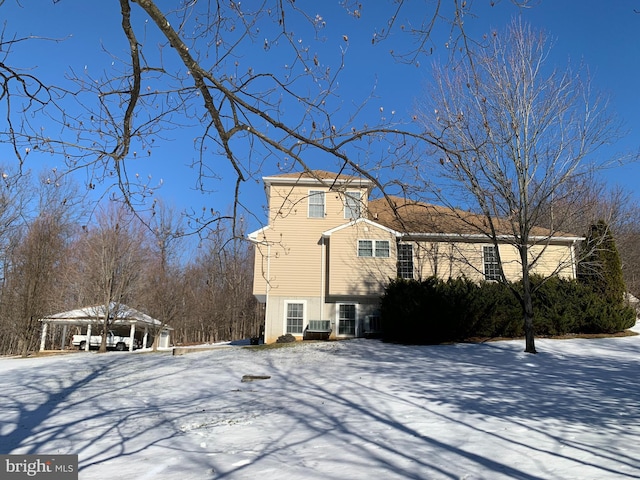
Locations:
column 600, row 267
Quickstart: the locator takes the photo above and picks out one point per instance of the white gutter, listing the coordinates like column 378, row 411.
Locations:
column 574, row 267
column 359, row 182
column 478, row 237
column 482, row 237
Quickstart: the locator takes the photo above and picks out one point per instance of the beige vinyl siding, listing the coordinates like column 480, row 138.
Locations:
column 451, row 260
column 556, row 259
column 295, row 263
column 260, row 269
column 511, row 263
column 553, row 260
column 295, row 241
column 291, row 204
column 448, row 260
column 350, row 274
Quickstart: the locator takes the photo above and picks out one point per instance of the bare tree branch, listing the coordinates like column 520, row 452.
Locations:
column 515, row 136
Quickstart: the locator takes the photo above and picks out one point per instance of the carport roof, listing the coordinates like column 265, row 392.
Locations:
column 82, row 316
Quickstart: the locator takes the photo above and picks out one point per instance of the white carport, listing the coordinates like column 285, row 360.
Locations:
column 94, row 316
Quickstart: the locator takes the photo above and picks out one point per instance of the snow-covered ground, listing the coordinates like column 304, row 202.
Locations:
column 357, row 409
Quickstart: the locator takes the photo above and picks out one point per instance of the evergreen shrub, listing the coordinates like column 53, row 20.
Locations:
column 436, row 311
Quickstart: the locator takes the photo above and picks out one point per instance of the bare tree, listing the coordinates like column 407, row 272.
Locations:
column 35, row 259
column 164, row 273
column 600, row 202
column 21, row 92
column 218, row 300
column 15, row 196
column 114, row 254
column 628, row 242
column 508, row 134
column 229, row 262
column 33, row 274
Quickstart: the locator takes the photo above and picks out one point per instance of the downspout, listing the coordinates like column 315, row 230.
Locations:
column 267, row 288
column 573, row 260
column 322, row 277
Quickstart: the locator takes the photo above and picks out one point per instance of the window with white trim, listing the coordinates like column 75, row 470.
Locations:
column 347, row 319
column 491, row 266
column 405, row 261
column 373, row 248
column 382, row 248
column 352, row 205
column 316, row 204
column 295, row 317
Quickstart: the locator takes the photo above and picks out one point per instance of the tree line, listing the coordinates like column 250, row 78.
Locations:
column 57, row 255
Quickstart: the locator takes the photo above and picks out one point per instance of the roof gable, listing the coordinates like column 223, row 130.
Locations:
column 366, row 221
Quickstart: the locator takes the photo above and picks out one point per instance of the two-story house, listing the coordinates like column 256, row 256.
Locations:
column 327, row 252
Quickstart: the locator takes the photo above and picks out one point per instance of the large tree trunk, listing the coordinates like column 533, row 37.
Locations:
column 527, row 305
column 26, row 341
column 529, row 333
column 105, row 332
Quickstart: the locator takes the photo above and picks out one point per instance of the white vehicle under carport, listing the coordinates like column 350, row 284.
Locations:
column 114, row 342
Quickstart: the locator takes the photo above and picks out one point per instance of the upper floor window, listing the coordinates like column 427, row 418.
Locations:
column 352, row 205
column 373, row 248
column 405, row 261
column 491, row 265
column 316, row 204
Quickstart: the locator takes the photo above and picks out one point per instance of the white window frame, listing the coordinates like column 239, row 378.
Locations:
column 361, row 250
column 317, row 194
column 491, row 269
column 355, row 320
column 387, row 250
column 286, row 315
column 404, row 263
column 374, row 248
column 352, row 205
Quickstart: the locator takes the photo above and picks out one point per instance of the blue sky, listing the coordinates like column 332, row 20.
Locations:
column 605, row 35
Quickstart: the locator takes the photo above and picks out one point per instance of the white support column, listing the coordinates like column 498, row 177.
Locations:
column 132, row 336
column 88, row 342
column 63, row 345
column 145, row 338
column 43, row 338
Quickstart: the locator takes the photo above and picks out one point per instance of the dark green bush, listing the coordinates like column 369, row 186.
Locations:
column 436, row 311
column 501, row 312
column 429, row 311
